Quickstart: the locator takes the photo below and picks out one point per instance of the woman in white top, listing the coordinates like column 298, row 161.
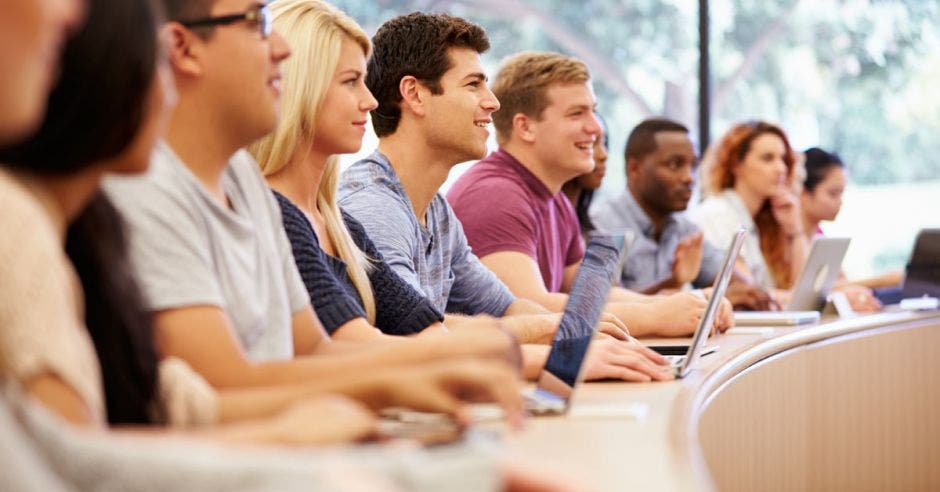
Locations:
column 746, row 181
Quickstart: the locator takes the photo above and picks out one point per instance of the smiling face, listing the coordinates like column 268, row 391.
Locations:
column 763, row 171
column 457, row 120
column 341, row 119
column 593, row 179
column 565, row 132
column 32, row 33
column 241, row 74
column 662, row 179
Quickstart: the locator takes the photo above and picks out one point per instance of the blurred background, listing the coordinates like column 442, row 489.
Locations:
column 855, row 76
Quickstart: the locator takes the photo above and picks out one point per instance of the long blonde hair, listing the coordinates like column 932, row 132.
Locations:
column 315, row 30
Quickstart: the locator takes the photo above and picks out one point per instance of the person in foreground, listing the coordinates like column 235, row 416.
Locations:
column 52, row 410
column 212, row 260
column 434, row 106
column 546, row 129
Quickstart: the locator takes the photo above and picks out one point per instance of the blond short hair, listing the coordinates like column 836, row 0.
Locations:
column 522, row 82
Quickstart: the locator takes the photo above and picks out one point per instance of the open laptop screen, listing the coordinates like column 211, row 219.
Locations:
column 923, row 269
column 586, row 300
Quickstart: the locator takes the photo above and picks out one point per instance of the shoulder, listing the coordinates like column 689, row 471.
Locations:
column 487, row 177
column 166, row 189
column 366, row 176
column 356, row 229
column 289, row 212
column 29, row 233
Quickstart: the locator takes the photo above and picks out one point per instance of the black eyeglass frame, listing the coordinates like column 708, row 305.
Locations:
column 256, row 13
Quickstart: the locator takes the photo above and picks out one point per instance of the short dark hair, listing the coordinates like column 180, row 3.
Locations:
column 818, row 163
column 416, row 44
column 98, row 104
column 181, row 10
column 642, row 140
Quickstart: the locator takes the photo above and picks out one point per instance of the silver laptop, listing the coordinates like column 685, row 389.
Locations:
column 586, row 299
column 682, row 364
column 809, row 292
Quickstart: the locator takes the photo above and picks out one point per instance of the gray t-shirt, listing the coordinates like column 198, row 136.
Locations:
column 648, row 260
column 188, row 250
column 435, row 259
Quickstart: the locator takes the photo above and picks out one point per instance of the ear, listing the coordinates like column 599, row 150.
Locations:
column 523, row 128
column 412, row 95
column 633, row 166
column 184, row 52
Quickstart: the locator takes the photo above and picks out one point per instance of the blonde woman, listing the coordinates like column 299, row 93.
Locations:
column 324, row 112
column 325, row 106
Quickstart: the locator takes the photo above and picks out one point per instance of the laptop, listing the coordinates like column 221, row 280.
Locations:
column 586, row 299
column 682, row 364
column 922, row 273
column 810, row 290
column 562, row 372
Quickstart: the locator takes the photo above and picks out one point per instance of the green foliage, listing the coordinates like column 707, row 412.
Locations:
column 855, row 76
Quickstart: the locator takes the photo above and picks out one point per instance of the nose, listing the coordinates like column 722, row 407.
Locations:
column 593, row 125
column 368, row 102
column 280, row 50
column 490, row 102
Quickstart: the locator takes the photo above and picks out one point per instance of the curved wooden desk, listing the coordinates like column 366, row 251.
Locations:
column 846, row 405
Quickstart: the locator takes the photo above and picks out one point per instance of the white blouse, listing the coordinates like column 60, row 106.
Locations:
column 719, row 216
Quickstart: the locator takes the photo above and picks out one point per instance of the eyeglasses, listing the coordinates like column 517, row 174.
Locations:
column 257, row 13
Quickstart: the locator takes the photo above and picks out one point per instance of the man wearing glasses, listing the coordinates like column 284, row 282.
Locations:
column 206, row 241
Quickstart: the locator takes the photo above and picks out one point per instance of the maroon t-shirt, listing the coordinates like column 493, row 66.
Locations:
column 504, row 207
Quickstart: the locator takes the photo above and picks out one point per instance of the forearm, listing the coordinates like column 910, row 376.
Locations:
column 525, row 306
column 619, row 294
column 333, row 360
column 534, row 358
column 235, row 405
column 357, row 329
column 636, row 315
column 553, row 302
column 532, row 328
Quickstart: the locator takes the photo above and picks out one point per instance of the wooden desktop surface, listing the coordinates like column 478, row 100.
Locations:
column 752, row 403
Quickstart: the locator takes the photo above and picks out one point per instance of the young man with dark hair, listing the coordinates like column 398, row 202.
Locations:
column 434, row 107
column 546, row 131
column 212, row 259
column 669, row 251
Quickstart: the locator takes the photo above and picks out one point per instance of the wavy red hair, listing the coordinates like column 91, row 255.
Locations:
column 717, row 175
